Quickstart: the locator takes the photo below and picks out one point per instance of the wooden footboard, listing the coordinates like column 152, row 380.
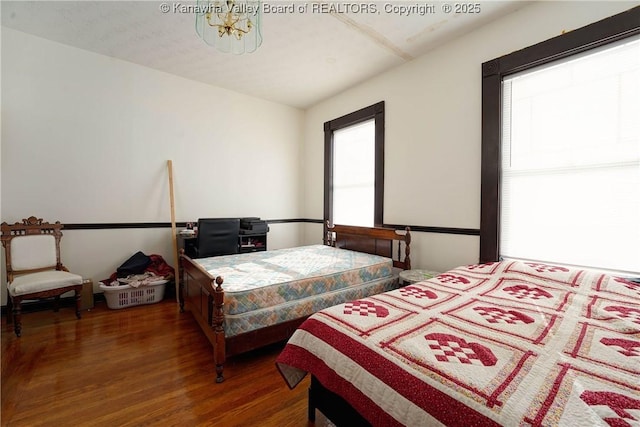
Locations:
column 203, row 294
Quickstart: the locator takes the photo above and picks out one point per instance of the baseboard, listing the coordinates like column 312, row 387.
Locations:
column 47, row 304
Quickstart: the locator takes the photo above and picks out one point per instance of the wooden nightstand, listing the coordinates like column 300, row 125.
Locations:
column 412, row 276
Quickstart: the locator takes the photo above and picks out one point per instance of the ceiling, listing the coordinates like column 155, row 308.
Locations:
column 304, row 57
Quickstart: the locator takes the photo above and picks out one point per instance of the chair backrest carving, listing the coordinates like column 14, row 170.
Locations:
column 30, row 246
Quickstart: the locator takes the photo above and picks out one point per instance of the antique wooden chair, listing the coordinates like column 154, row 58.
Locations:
column 34, row 269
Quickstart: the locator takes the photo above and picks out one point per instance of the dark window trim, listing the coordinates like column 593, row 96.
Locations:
column 600, row 33
column 375, row 111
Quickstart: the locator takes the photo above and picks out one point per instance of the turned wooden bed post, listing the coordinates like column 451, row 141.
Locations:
column 180, row 285
column 328, row 235
column 218, row 330
column 407, row 249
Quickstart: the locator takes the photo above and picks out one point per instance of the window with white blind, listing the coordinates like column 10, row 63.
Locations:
column 570, row 173
column 354, row 167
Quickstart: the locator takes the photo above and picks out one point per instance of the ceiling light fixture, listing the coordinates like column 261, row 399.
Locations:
column 231, row 25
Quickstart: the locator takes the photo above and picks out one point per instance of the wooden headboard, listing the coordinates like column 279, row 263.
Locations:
column 373, row 240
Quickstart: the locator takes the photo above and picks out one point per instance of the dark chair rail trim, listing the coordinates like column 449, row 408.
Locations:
column 123, row 225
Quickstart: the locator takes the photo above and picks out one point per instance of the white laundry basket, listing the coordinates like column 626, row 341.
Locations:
column 122, row 296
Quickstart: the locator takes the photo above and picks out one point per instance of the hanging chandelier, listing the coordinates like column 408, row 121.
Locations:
column 230, row 25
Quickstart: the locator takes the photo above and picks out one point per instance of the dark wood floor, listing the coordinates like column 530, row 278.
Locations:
column 144, row 365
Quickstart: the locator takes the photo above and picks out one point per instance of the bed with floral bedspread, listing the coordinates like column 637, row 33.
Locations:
column 246, row 301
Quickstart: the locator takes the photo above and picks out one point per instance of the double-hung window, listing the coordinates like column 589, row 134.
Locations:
column 571, row 160
column 561, row 150
column 354, row 167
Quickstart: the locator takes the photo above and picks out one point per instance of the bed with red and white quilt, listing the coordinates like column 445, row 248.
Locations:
column 506, row 343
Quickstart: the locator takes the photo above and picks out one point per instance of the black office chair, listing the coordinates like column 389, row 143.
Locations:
column 217, row 236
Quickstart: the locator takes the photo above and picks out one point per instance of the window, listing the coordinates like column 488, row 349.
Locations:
column 354, row 174
column 354, row 167
column 561, row 149
column 571, row 161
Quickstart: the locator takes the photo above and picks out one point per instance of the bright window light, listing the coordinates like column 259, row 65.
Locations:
column 571, row 161
column 354, row 174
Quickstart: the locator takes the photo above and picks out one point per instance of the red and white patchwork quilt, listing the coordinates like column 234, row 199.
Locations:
column 506, row 343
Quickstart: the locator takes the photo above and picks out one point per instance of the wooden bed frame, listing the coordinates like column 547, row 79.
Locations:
column 203, row 294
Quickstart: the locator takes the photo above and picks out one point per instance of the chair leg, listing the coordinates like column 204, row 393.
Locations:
column 17, row 317
column 9, row 309
column 78, row 303
column 56, row 303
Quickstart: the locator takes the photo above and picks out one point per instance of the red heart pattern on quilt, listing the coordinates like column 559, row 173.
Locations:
column 527, row 292
column 628, row 284
column 541, row 268
column 619, row 403
column 365, row 308
column 453, row 279
column 623, row 312
column 415, row 292
column 498, row 315
column 628, row 348
column 450, row 348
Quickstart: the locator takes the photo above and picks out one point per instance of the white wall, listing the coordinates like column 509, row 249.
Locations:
column 433, row 129
column 86, row 139
column 113, row 125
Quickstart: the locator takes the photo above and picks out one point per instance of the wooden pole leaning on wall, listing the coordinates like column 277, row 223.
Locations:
column 174, row 233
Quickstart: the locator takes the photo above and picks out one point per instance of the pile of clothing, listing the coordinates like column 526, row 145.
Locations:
column 140, row 270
